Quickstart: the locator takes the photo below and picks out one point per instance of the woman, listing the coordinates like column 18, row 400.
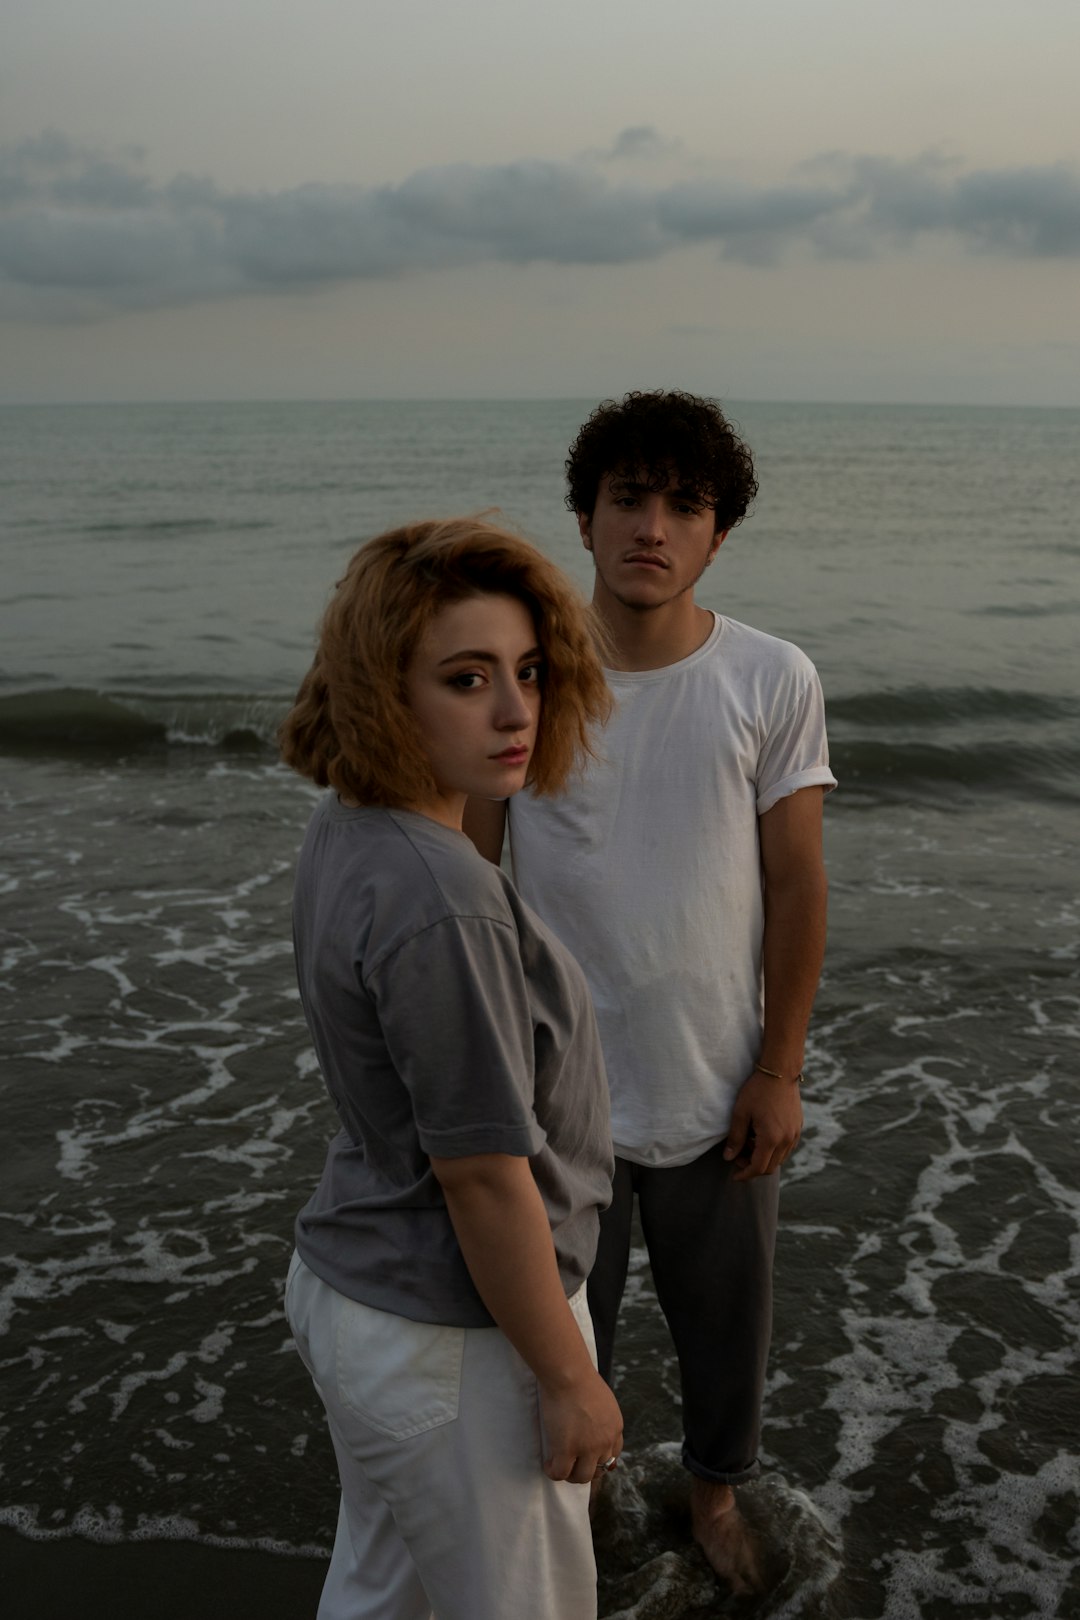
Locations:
column 437, row 1293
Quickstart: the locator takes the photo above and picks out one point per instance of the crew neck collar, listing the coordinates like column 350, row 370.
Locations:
column 637, row 677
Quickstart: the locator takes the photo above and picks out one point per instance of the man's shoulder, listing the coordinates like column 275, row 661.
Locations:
column 757, row 649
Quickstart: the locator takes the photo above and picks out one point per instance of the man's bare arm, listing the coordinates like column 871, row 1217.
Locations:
column 796, row 891
column 485, row 823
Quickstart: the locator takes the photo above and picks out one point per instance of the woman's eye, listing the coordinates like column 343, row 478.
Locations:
column 530, row 674
column 468, row 680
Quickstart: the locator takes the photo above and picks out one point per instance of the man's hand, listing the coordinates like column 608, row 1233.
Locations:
column 765, row 1126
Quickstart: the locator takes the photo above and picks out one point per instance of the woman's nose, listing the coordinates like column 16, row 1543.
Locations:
column 513, row 711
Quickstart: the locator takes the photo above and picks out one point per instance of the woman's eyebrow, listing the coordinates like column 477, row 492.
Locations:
column 478, row 655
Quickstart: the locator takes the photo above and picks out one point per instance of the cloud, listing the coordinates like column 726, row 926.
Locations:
column 640, row 143
column 89, row 232
column 1023, row 213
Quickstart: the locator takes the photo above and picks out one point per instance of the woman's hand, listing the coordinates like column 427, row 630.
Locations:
column 583, row 1430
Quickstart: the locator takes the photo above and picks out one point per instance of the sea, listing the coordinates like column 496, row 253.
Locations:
column 162, row 1116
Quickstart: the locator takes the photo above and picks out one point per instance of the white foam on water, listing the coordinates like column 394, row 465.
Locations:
column 66, row 1045
column 211, row 1406
column 827, row 1075
column 1044, row 1022
column 909, row 888
column 1006, row 1559
column 260, row 1153
column 130, row 1383
column 100, row 1262
column 190, row 1107
column 117, row 1331
column 171, row 1441
column 896, row 1365
column 241, row 1203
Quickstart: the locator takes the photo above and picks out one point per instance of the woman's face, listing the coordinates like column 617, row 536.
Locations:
column 474, row 687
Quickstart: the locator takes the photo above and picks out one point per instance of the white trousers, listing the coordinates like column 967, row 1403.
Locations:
column 445, row 1509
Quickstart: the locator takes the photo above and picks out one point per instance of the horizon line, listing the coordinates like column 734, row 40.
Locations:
column 513, row 399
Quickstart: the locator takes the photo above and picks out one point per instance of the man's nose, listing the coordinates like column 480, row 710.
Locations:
column 650, row 524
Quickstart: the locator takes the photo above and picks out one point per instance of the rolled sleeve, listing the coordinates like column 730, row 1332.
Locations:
column 454, row 1011
column 795, row 753
column 818, row 776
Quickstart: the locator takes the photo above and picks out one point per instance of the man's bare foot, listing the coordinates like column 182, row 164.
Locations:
column 725, row 1537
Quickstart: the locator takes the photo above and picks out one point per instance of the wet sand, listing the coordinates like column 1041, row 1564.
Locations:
column 73, row 1579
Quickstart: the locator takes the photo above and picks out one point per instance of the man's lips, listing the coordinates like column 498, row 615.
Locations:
column 644, row 559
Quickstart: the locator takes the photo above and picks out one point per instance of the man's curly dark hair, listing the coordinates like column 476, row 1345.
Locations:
column 647, row 436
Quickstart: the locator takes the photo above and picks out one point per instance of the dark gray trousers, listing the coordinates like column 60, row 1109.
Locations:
column 710, row 1241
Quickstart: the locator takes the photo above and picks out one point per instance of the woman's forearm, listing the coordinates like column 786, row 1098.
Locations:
column 502, row 1228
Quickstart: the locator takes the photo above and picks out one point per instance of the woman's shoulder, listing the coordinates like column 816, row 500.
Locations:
column 389, row 847
column 386, row 876
column 434, row 892
column 447, row 868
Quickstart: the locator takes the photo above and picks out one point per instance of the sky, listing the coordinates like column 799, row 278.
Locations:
column 776, row 200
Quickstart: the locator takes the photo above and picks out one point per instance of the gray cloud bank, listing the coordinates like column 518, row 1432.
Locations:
column 82, row 233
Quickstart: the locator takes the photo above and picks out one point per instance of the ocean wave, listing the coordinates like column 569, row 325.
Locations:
column 948, row 705
column 941, row 743
column 888, row 768
column 168, row 526
column 941, row 760
column 74, row 720
column 1023, row 610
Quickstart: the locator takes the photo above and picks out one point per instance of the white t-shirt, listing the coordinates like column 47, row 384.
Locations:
column 649, row 870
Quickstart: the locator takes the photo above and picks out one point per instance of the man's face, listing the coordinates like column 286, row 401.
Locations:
column 649, row 546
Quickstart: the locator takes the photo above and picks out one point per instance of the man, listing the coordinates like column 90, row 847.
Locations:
column 685, row 873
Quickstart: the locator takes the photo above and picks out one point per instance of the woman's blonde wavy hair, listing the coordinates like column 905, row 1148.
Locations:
column 351, row 727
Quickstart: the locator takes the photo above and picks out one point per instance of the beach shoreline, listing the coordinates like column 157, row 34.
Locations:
column 80, row 1579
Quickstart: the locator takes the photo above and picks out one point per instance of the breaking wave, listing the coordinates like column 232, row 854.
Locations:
column 76, row 720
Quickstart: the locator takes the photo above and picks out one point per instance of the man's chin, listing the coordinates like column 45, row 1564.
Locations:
column 646, row 596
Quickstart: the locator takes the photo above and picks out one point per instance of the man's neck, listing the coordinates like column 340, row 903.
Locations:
column 653, row 638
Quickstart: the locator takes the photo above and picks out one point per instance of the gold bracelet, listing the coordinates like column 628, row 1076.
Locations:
column 796, row 1079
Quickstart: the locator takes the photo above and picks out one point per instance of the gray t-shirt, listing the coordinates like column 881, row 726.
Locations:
column 447, row 1020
